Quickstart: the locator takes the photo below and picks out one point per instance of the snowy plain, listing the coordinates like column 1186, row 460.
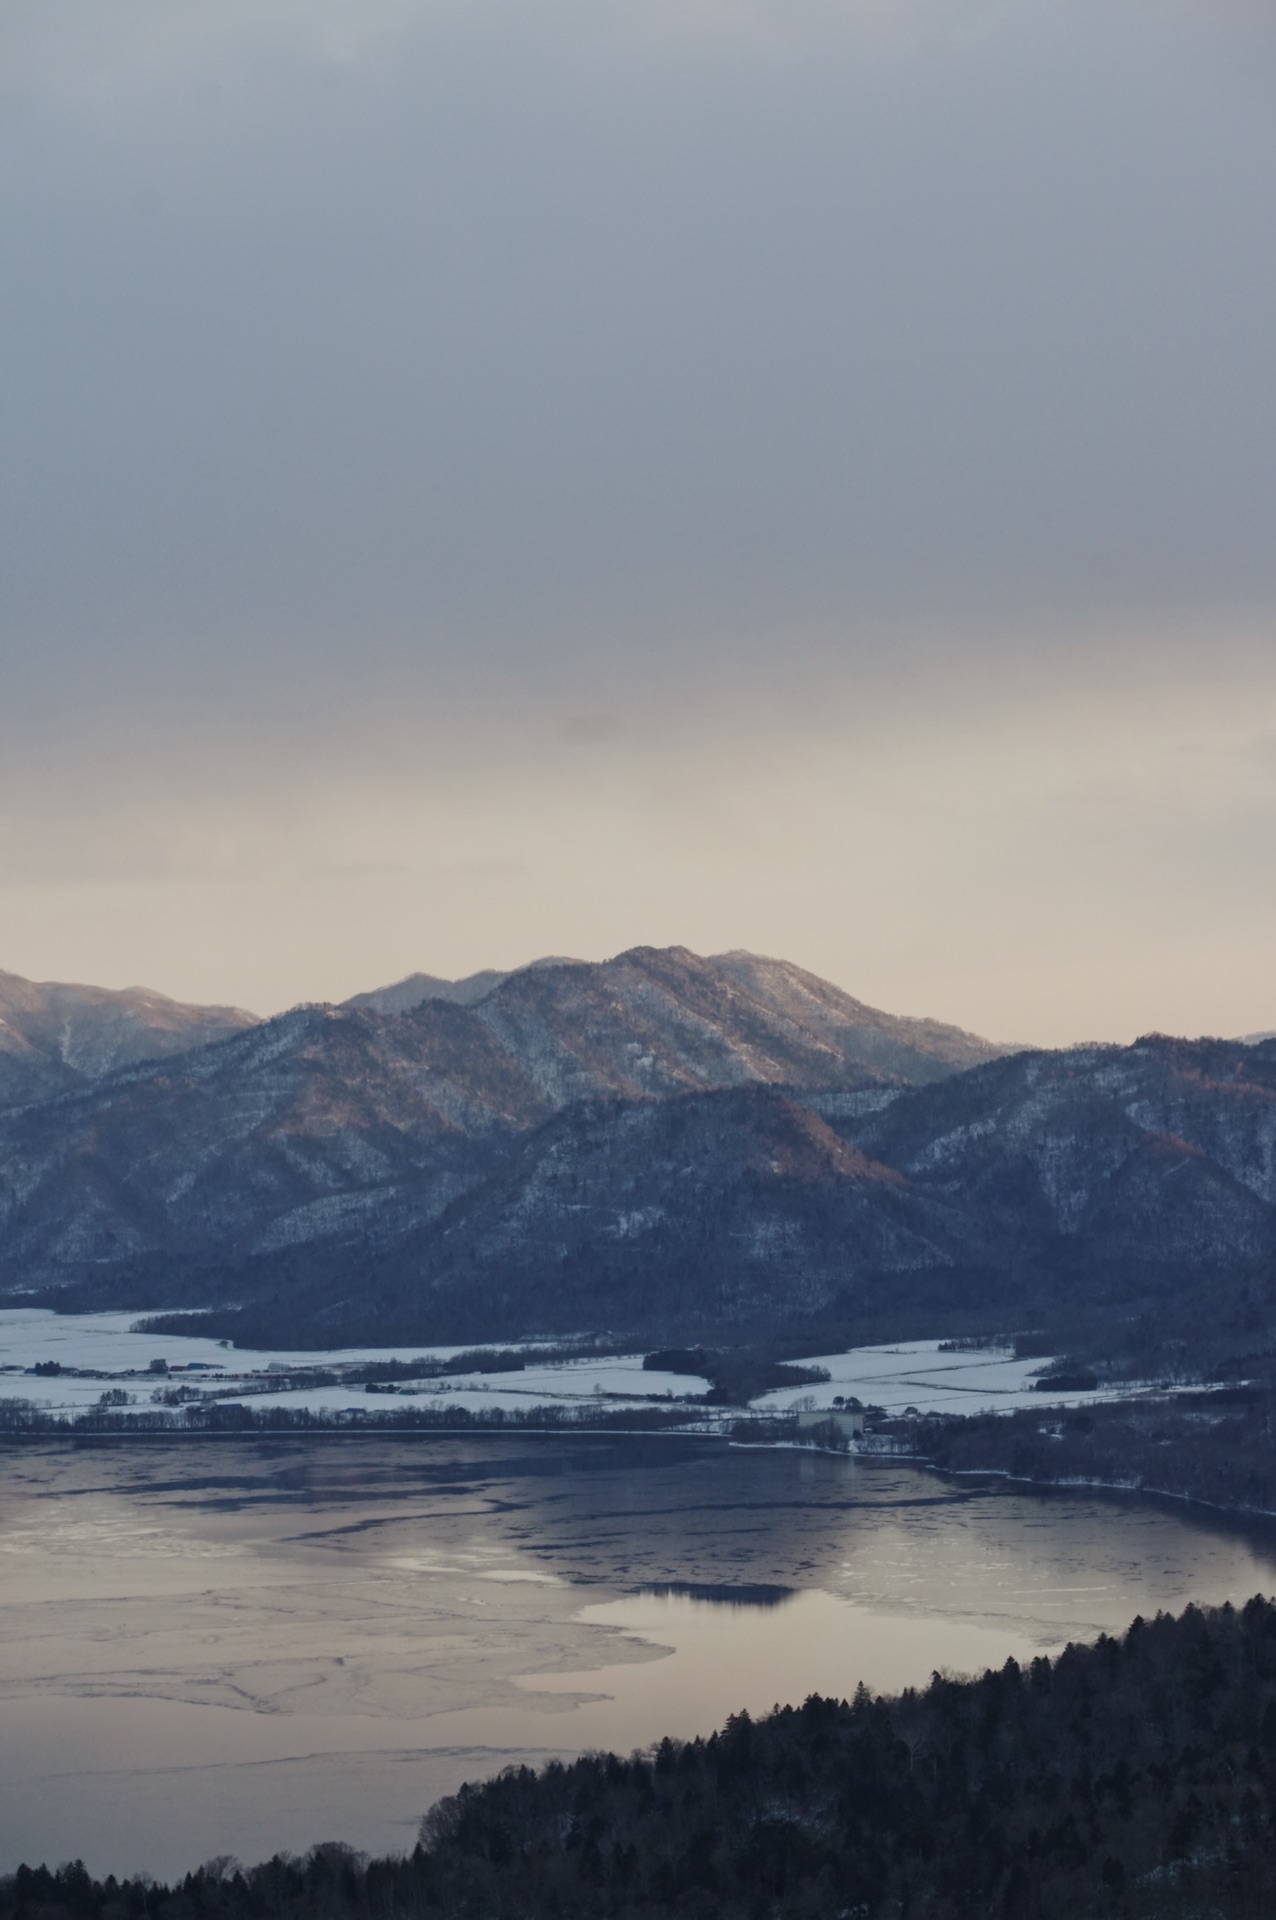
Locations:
column 108, row 1346
column 918, row 1375
column 913, row 1374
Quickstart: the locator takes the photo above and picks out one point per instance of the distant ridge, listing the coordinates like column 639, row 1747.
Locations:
column 896, row 1042
column 329, row 1134
column 727, row 992
column 417, row 988
column 55, row 1034
column 1124, row 1197
column 660, row 1142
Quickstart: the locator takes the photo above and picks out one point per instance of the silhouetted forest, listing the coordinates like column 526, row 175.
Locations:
column 736, row 1376
column 1134, row 1777
column 19, row 1419
column 1217, row 1446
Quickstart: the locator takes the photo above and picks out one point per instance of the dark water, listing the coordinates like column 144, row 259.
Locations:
column 235, row 1647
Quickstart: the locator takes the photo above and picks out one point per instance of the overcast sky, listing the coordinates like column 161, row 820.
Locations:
column 548, row 475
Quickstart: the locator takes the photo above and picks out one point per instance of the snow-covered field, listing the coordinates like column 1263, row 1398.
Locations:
column 108, row 1340
column 914, row 1374
column 106, row 1345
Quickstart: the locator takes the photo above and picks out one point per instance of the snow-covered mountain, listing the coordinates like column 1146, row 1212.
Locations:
column 298, row 1132
column 656, row 1142
column 1119, row 1196
column 54, row 1035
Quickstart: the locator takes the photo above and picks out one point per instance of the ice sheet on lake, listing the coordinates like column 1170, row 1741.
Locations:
column 207, row 1651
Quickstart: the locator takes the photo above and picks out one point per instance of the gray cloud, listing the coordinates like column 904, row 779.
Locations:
column 392, row 391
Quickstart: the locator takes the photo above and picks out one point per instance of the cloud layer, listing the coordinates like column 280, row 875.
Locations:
column 492, row 478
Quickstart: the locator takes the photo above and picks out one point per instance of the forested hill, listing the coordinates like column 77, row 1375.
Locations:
column 1121, row 1197
column 1132, row 1778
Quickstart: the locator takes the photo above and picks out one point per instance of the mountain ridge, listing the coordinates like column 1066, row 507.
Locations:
column 296, row 1132
column 1107, row 1193
column 415, row 988
column 657, row 1143
column 55, row 1035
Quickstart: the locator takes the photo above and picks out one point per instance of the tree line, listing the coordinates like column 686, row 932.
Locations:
column 1216, row 1446
column 1131, row 1778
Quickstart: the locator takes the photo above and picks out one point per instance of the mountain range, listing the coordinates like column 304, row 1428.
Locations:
column 657, row 1144
column 54, row 1036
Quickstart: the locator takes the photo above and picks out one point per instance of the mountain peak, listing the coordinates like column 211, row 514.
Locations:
column 416, row 988
column 330, row 1129
column 736, row 987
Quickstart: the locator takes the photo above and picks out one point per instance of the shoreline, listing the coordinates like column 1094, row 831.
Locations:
column 187, row 1436
column 1078, row 1484
column 131, row 1434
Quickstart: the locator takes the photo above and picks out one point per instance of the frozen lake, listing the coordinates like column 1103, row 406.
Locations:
column 226, row 1646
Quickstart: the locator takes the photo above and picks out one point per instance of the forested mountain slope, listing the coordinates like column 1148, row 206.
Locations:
column 1041, row 1191
column 276, row 1137
column 328, row 1123
column 658, row 1144
column 658, row 1020
column 54, row 1036
column 1122, row 1180
column 738, row 1210
column 1062, row 1123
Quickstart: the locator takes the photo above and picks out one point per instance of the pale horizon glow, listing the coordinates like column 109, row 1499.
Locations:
column 511, row 479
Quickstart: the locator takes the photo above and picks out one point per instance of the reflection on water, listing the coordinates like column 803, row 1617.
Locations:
column 231, row 1647
column 719, row 1595
column 824, row 1644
